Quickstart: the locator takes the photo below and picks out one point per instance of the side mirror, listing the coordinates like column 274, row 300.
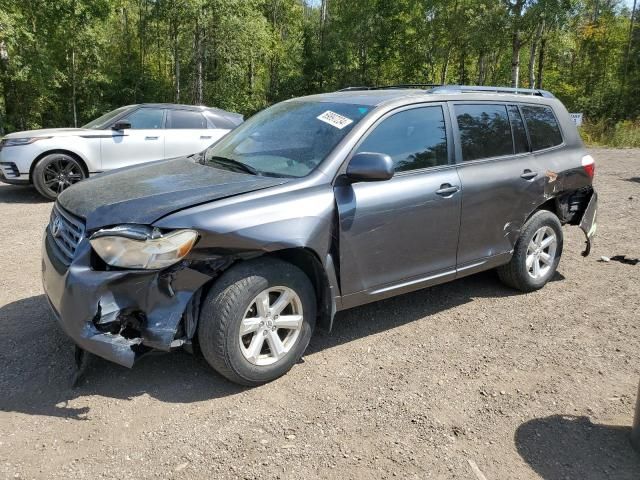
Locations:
column 370, row 167
column 121, row 125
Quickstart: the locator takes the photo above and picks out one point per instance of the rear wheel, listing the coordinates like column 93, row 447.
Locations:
column 536, row 255
column 257, row 320
column 55, row 173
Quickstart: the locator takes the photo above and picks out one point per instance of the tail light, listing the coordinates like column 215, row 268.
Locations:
column 589, row 165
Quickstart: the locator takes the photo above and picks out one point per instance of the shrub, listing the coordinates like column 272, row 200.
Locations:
column 625, row 133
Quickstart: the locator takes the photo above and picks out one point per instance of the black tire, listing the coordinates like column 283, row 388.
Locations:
column 55, row 173
column 515, row 274
column 223, row 310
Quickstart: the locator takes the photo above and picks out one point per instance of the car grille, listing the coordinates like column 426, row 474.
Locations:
column 65, row 232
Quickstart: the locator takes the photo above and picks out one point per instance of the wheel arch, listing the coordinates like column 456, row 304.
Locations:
column 309, row 262
column 74, row 155
column 302, row 257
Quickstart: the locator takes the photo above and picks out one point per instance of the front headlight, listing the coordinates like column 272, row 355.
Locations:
column 16, row 142
column 142, row 247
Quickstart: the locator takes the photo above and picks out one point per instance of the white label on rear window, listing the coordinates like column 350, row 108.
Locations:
column 334, row 119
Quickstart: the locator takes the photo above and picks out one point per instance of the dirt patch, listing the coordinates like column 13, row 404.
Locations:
column 537, row 386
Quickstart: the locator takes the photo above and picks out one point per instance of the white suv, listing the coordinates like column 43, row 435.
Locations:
column 53, row 159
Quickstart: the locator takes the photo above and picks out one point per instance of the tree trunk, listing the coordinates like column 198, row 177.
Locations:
column 543, row 44
column 515, row 59
column 73, row 86
column 176, row 62
column 445, row 67
column 324, row 14
column 251, row 75
column 532, row 54
column 516, row 41
column 198, row 76
column 628, row 53
column 4, row 66
column 481, row 68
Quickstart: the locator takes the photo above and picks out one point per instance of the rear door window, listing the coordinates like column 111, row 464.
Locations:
column 519, row 132
column 414, row 139
column 544, row 131
column 485, row 131
column 186, row 119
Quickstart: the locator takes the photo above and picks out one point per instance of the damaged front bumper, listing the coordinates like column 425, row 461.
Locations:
column 119, row 314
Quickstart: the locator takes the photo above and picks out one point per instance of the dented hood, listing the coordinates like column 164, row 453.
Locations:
column 144, row 193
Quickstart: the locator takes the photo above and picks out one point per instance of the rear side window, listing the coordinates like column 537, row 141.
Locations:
column 186, row 119
column 517, row 127
column 484, row 131
column 544, row 131
column 414, row 139
column 218, row 121
column 146, row 118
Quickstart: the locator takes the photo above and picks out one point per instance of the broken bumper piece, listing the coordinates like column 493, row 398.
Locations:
column 588, row 222
column 118, row 314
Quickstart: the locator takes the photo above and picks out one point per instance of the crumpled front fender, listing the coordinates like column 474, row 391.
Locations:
column 115, row 314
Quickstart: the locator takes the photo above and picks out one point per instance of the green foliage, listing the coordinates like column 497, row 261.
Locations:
column 625, row 133
column 63, row 63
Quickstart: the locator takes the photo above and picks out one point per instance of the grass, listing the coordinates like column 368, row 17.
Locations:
column 625, row 133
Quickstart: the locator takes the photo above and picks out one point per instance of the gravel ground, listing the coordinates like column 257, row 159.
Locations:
column 426, row 385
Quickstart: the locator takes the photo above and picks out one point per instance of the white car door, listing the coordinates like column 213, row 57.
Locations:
column 143, row 142
column 189, row 132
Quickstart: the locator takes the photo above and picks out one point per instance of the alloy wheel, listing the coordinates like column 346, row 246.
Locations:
column 271, row 325
column 541, row 252
column 61, row 173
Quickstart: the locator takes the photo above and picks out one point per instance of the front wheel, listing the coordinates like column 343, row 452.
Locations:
column 55, row 173
column 536, row 255
column 257, row 320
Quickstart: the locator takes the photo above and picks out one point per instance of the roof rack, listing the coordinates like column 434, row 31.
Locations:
column 485, row 89
column 390, row 87
column 438, row 88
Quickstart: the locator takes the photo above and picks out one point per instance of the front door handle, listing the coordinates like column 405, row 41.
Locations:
column 446, row 190
column 150, row 138
column 528, row 174
column 205, row 137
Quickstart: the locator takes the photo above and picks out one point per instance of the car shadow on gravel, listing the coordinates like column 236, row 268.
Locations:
column 38, row 367
column 384, row 315
column 20, row 194
column 38, row 361
column 563, row 447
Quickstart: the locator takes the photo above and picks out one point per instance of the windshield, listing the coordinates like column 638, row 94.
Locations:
column 289, row 139
column 105, row 120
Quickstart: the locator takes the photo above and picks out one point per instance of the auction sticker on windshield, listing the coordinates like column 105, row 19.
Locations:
column 334, row 119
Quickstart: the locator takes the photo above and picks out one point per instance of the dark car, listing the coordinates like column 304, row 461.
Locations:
column 315, row 205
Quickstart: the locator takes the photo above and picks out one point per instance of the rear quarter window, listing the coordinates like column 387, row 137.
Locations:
column 544, row 131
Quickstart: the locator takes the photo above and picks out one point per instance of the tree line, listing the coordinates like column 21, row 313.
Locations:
column 65, row 62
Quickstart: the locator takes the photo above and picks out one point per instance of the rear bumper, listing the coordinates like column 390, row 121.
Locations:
column 588, row 222
column 117, row 315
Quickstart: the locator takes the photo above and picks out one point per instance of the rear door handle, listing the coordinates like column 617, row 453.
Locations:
column 205, row 137
column 446, row 190
column 528, row 174
column 150, row 138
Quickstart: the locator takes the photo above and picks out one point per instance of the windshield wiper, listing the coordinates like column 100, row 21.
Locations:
column 230, row 162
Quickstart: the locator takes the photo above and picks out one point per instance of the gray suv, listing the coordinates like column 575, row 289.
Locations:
column 315, row 205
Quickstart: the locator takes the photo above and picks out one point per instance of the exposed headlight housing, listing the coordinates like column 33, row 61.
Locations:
column 141, row 247
column 16, row 142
